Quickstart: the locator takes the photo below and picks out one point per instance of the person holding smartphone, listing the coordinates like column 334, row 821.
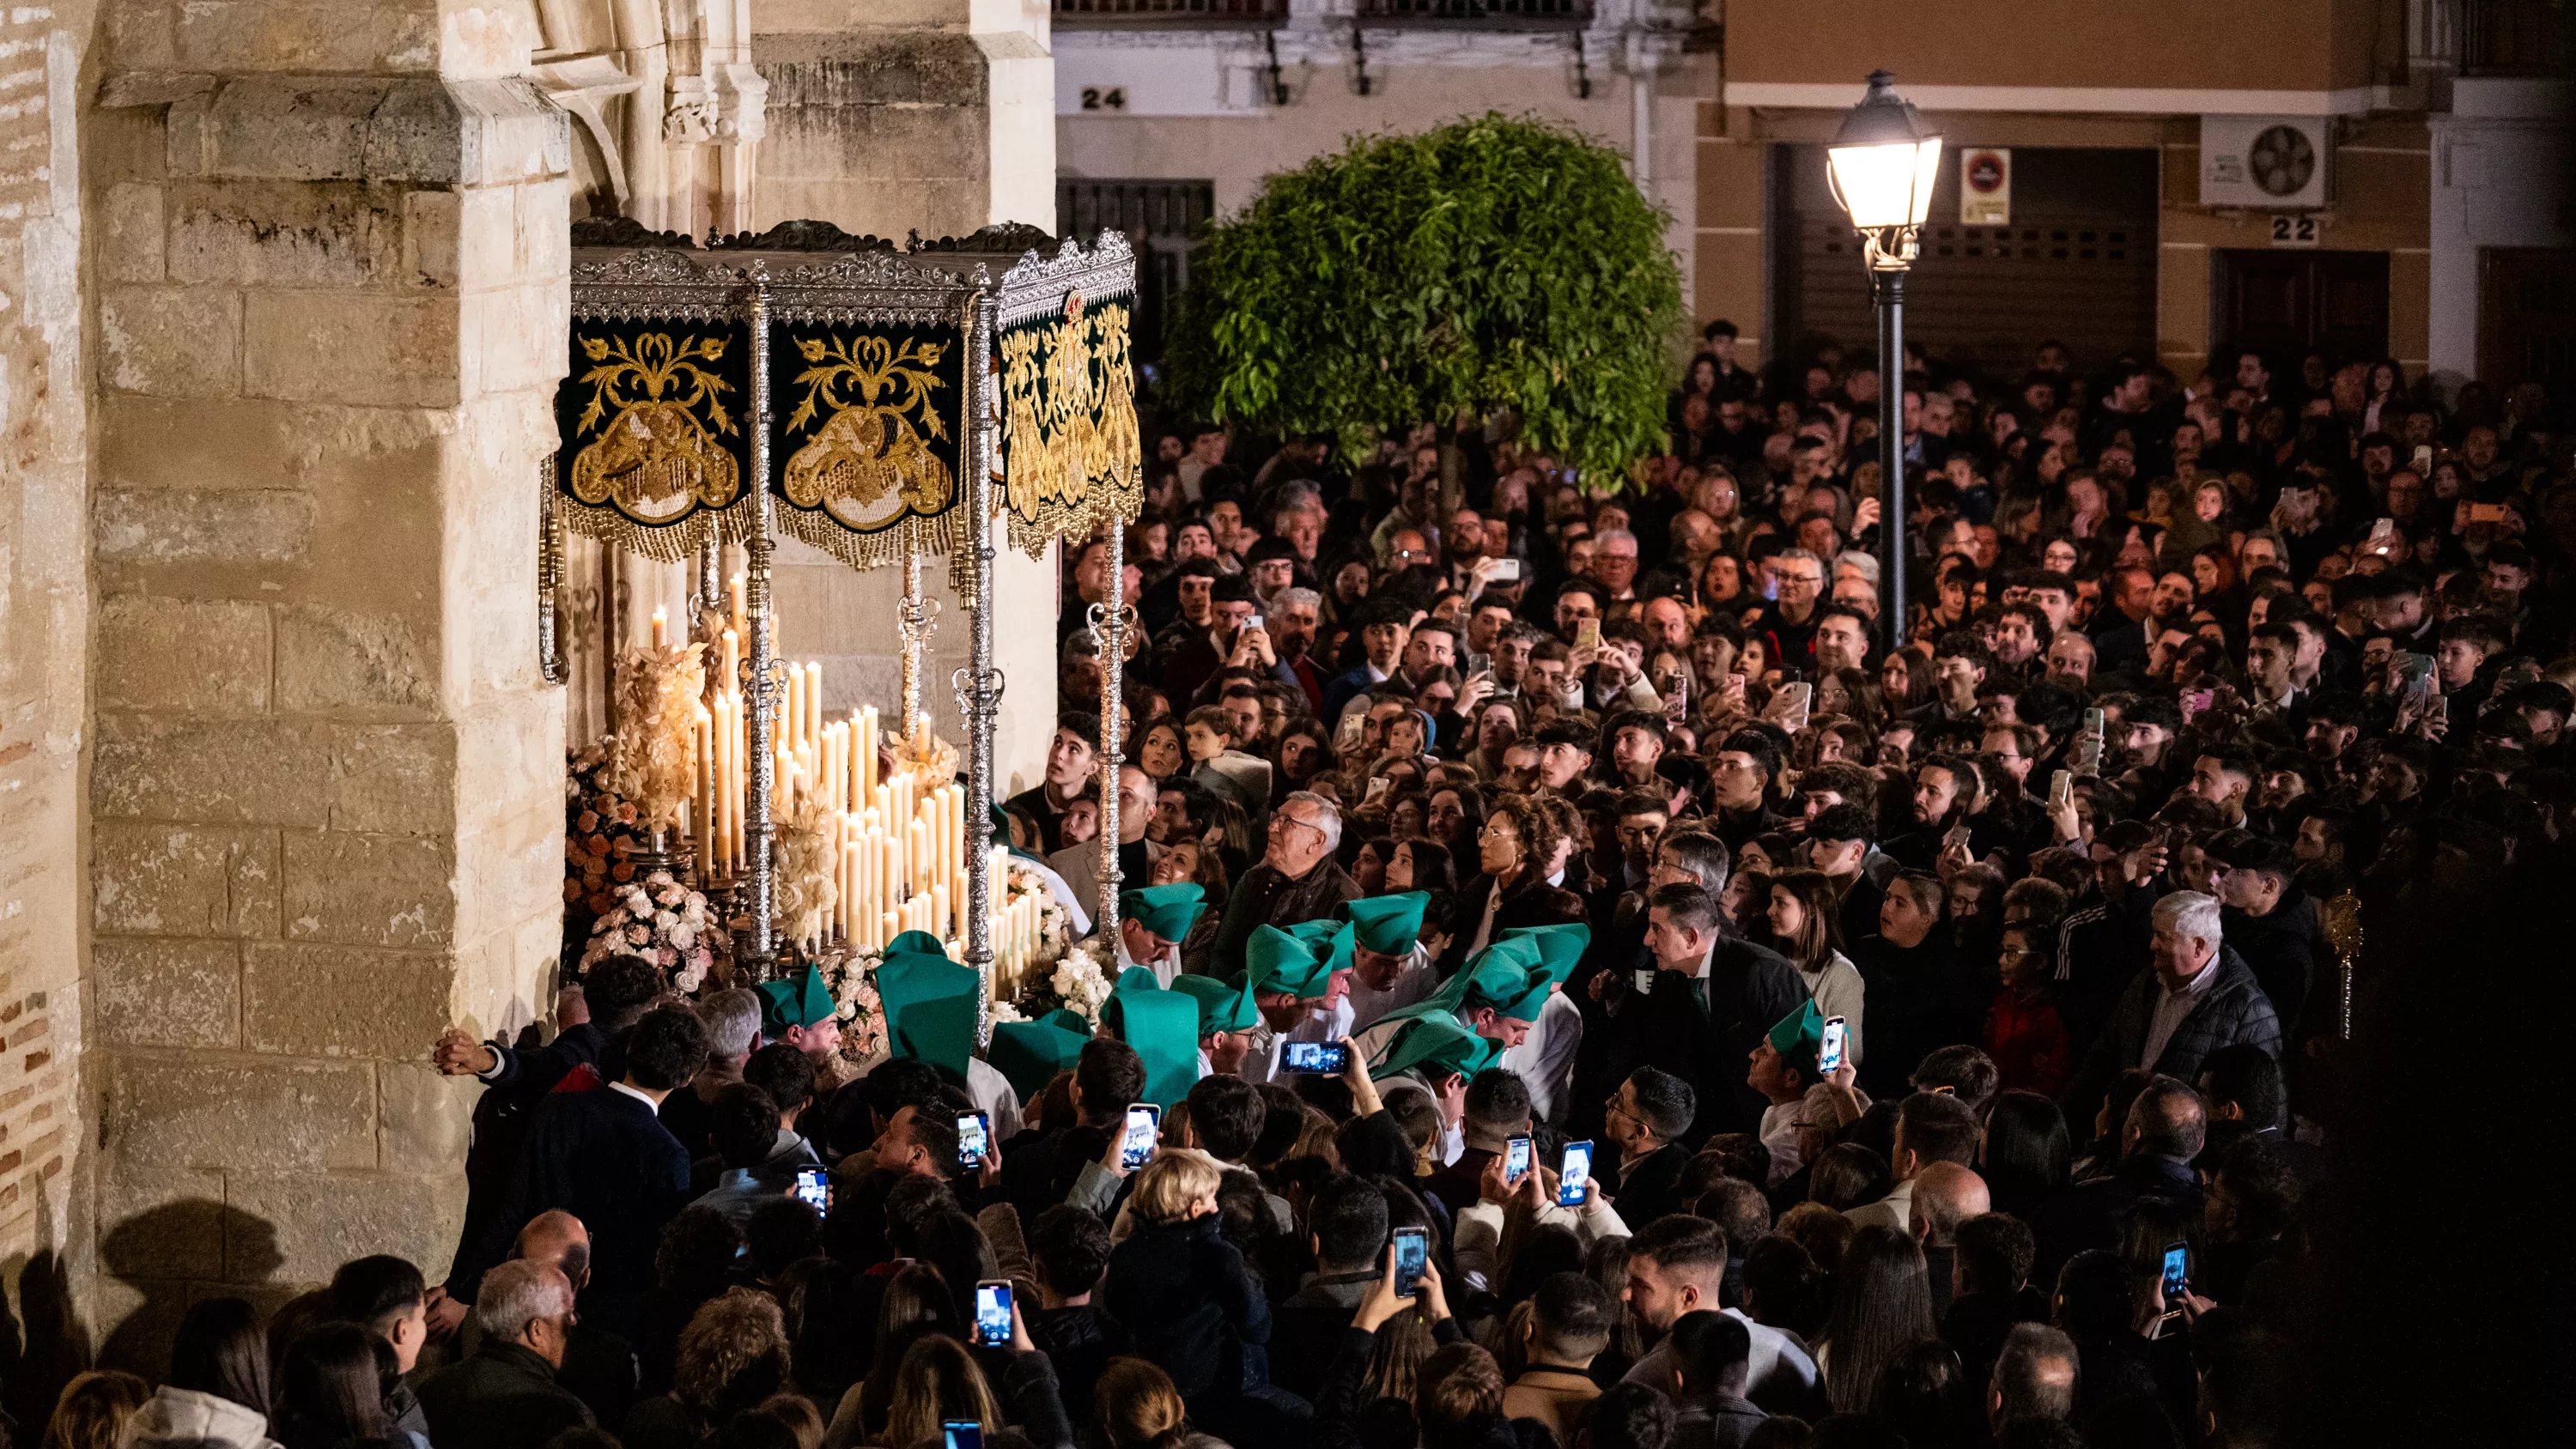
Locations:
column 1806, row 1101
column 929, row 1003
column 748, row 1142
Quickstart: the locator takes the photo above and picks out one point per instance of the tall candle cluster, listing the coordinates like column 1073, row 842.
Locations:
column 900, row 861
column 897, row 851
column 1017, row 930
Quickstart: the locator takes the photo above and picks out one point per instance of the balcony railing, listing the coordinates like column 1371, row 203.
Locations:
column 1547, row 13
column 1504, row 13
column 1170, row 12
column 2513, row 37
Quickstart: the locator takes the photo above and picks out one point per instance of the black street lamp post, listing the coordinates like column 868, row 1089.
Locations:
column 1882, row 164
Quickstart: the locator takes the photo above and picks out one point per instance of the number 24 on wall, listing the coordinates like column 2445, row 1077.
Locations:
column 2287, row 231
column 1104, row 98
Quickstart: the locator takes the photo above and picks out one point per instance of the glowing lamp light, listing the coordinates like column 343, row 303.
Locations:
column 1883, row 160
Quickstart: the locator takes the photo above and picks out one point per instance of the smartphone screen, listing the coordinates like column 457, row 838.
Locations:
column 1143, row 1120
column 814, row 1187
column 974, row 1141
column 1506, row 571
column 962, row 1434
column 1314, row 1056
column 1829, row 1056
column 1587, row 634
column 1801, row 695
column 1477, row 663
column 1646, row 980
column 1412, row 1255
column 2061, row 788
column 2177, row 1274
column 1572, row 1171
column 1516, row 1160
column 993, row 1312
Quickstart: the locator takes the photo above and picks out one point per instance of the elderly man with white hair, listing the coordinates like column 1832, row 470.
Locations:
column 505, row 1396
column 1296, row 880
column 2196, row 996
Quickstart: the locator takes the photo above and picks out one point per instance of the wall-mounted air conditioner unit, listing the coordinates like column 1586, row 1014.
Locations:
column 2270, row 163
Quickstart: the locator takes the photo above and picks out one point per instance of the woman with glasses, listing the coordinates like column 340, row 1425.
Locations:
column 1511, row 887
column 2024, row 1033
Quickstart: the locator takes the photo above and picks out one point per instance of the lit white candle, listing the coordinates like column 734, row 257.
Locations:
column 715, row 844
column 661, row 627
column 702, row 789
column 813, row 700
column 791, row 728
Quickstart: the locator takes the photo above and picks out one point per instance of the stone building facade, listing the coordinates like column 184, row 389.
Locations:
column 282, row 310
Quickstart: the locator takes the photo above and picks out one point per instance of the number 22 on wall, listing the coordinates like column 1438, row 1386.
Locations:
column 2294, row 231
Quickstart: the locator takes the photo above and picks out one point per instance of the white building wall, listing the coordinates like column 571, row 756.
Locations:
column 1198, row 103
column 2501, row 163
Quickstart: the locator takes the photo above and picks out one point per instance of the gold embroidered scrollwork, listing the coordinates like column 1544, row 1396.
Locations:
column 873, row 449
column 872, row 446
column 1072, row 455
column 655, row 451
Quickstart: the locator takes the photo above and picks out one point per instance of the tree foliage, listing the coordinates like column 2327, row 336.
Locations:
column 1494, row 265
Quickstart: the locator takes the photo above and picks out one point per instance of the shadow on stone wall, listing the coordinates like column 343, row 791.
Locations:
column 175, row 1254
column 42, row 1342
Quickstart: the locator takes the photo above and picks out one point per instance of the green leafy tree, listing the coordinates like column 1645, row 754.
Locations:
column 1495, row 265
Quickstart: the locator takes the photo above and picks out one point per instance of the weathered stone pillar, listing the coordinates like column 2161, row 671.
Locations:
column 326, row 790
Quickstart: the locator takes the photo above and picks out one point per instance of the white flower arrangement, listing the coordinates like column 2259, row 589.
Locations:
column 1081, row 983
column 851, row 977
column 666, row 923
column 1055, row 923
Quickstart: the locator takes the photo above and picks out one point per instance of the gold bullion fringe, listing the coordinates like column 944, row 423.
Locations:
column 945, row 533
column 663, row 543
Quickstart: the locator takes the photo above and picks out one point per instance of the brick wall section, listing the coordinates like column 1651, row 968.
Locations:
column 326, row 792
column 44, row 622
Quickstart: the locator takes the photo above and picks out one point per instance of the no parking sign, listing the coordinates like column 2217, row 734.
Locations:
column 1985, row 186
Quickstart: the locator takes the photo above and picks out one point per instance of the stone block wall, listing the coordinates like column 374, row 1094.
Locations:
column 325, row 798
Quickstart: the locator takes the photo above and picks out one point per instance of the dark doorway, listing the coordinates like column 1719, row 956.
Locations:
column 2287, row 302
column 2527, row 320
column 1159, row 219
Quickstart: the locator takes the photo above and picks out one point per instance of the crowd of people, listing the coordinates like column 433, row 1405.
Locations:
column 1597, row 984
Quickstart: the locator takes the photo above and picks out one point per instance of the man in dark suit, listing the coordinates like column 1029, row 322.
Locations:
column 2165, row 1129
column 2120, row 631
column 1648, row 1119
column 605, row 1157
column 1349, row 1223
column 1713, row 996
column 592, row 1022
